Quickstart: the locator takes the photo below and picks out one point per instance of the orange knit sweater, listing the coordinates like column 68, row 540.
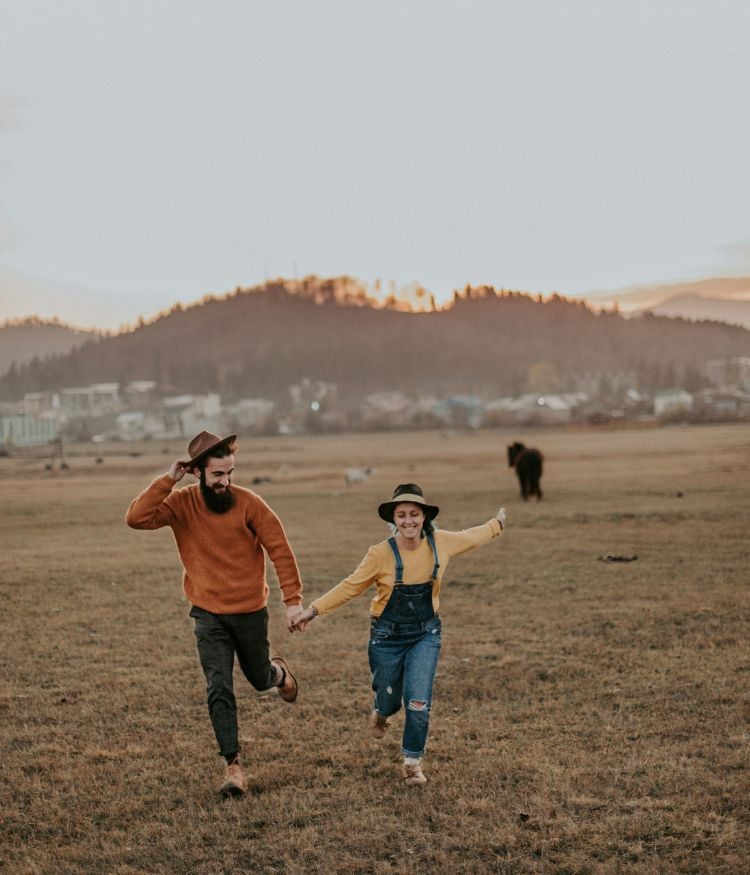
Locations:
column 222, row 554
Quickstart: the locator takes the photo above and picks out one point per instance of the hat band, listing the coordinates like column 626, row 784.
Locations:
column 407, row 497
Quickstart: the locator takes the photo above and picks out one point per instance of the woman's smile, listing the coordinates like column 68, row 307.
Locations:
column 409, row 520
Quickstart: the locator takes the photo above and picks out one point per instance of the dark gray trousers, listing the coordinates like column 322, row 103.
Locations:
column 219, row 637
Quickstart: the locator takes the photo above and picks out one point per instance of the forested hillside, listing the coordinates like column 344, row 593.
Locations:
column 26, row 339
column 257, row 342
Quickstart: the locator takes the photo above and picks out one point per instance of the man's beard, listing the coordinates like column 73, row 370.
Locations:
column 218, row 502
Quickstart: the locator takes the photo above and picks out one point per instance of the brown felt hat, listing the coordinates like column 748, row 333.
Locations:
column 407, row 492
column 202, row 444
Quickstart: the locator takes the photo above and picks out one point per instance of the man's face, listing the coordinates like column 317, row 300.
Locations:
column 218, row 474
column 216, row 483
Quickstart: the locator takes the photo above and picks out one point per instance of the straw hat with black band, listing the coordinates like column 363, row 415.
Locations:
column 407, row 492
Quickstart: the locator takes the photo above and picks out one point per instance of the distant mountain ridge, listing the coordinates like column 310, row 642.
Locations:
column 643, row 297
column 21, row 340
column 258, row 342
column 697, row 307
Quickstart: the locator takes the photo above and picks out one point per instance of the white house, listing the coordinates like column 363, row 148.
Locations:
column 195, row 413
column 24, row 430
column 729, row 372
column 248, row 413
column 553, row 409
column 99, row 399
column 41, row 402
column 723, row 403
column 669, row 401
column 136, row 425
column 140, row 389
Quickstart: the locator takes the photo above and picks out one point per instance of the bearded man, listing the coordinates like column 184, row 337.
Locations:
column 221, row 532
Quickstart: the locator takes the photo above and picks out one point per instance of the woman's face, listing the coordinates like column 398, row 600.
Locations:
column 408, row 519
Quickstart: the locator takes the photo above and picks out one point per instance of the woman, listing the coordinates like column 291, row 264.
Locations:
column 404, row 647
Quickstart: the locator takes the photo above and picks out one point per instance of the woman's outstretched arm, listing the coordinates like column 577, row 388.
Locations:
column 350, row 587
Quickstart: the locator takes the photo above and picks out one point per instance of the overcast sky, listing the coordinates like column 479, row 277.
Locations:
column 158, row 150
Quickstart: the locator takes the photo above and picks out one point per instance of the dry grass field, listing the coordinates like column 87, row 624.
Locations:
column 590, row 717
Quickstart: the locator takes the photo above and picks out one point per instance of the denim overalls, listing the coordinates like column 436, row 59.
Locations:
column 403, row 651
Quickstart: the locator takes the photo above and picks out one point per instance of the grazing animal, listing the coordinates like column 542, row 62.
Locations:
column 528, row 464
column 357, row 475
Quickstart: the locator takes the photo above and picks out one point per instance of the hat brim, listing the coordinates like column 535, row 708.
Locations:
column 385, row 510
column 227, row 440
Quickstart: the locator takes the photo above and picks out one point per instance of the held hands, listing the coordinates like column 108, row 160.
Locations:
column 302, row 619
column 292, row 613
column 501, row 517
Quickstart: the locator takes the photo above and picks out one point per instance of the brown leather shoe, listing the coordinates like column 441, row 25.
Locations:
column 235, row 783
column 289, row 689
column 414, row 775
column 378, row 725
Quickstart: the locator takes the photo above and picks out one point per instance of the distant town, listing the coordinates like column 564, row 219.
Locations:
column 140, row 411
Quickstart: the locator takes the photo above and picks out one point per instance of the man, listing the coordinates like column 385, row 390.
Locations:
column 221, row 531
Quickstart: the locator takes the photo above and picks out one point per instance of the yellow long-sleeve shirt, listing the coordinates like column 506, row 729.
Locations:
column 379, row 567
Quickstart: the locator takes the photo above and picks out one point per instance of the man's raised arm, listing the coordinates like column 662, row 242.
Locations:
column 148, row 510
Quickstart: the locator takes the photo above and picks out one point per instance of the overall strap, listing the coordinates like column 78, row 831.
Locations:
column 431, row 539
column 399, row 562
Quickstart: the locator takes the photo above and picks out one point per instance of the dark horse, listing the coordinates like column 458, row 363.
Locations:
column 528, row 465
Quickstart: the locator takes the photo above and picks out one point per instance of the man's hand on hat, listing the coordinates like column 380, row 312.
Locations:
column 178, row 469
column 501, row 517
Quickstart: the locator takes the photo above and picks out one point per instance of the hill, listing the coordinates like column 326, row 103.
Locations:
column 698, row 307
column 634, row 299
column 23, row 340
column 258, row 342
